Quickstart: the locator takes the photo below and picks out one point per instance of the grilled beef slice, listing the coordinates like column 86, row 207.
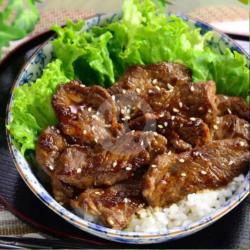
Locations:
column 171, row 177
column 84, row 167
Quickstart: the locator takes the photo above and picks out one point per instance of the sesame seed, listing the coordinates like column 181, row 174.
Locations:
column 154, row 81
column 163, row 182
column 127, row 117
column 242, row 143
column 230, row 162
column 181, row 125
column 126, row 200
column 153, row 166
column 183, row 174
column 209, row 110
column 246, row 125
column 110, row 221
column 124, row 91
column 79, row 170
column 225, row 97
column 114, row 164
column 97, row 193
column 89, row 109
column 229, row 111
column 138, row 90
column 172, row 117
column 200, row 108
column 97, row 113
column 169, row 152
column 128, row 168
column 203, row 172
column 142, row 143
column 176, row 110
column 215, row 127
column 51, row 167
column 159, row 126
column 150, row 91
column 180, row 104
column 196, row 153
column 161, row 115
column 113, row 97
column 192, row 119
column 165, row 124
column 192, row 88
column 181, row 160
column 158, row 88
column 170, row 87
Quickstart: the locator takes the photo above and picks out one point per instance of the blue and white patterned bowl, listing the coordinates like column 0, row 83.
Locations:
column 32, row 70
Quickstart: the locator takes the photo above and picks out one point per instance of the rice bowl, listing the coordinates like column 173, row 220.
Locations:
column 148, row 225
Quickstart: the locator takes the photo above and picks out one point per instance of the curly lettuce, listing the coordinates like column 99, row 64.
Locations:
column 84, row 54
column 31, row 109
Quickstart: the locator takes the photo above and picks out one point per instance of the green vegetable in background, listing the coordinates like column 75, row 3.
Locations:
column 244, row 1
column 17, row 20
column 32, row 110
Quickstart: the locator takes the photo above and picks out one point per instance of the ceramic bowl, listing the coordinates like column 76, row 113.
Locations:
column 32, row 70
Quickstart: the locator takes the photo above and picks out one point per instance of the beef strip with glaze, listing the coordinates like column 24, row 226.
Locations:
column 87, row 115
column 50, row 144
column 233, row 105
column 143, row 77
column 114, row 205
column 62, row 192
column 115, row 161
column 182, row 132
column 171, row 177
column 188, row 99
column 138, row 94
column 231, row 126
column 131, row 91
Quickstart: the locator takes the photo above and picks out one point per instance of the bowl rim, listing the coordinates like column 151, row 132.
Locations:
column 100, row 229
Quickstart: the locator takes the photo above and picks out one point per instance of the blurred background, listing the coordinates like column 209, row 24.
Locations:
column 212, row 11
column 113, row 5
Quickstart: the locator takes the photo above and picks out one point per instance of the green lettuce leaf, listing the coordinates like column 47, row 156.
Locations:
column 83, row 54
column 32, row 110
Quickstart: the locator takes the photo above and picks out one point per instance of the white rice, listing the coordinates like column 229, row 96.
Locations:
column 192, row 208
